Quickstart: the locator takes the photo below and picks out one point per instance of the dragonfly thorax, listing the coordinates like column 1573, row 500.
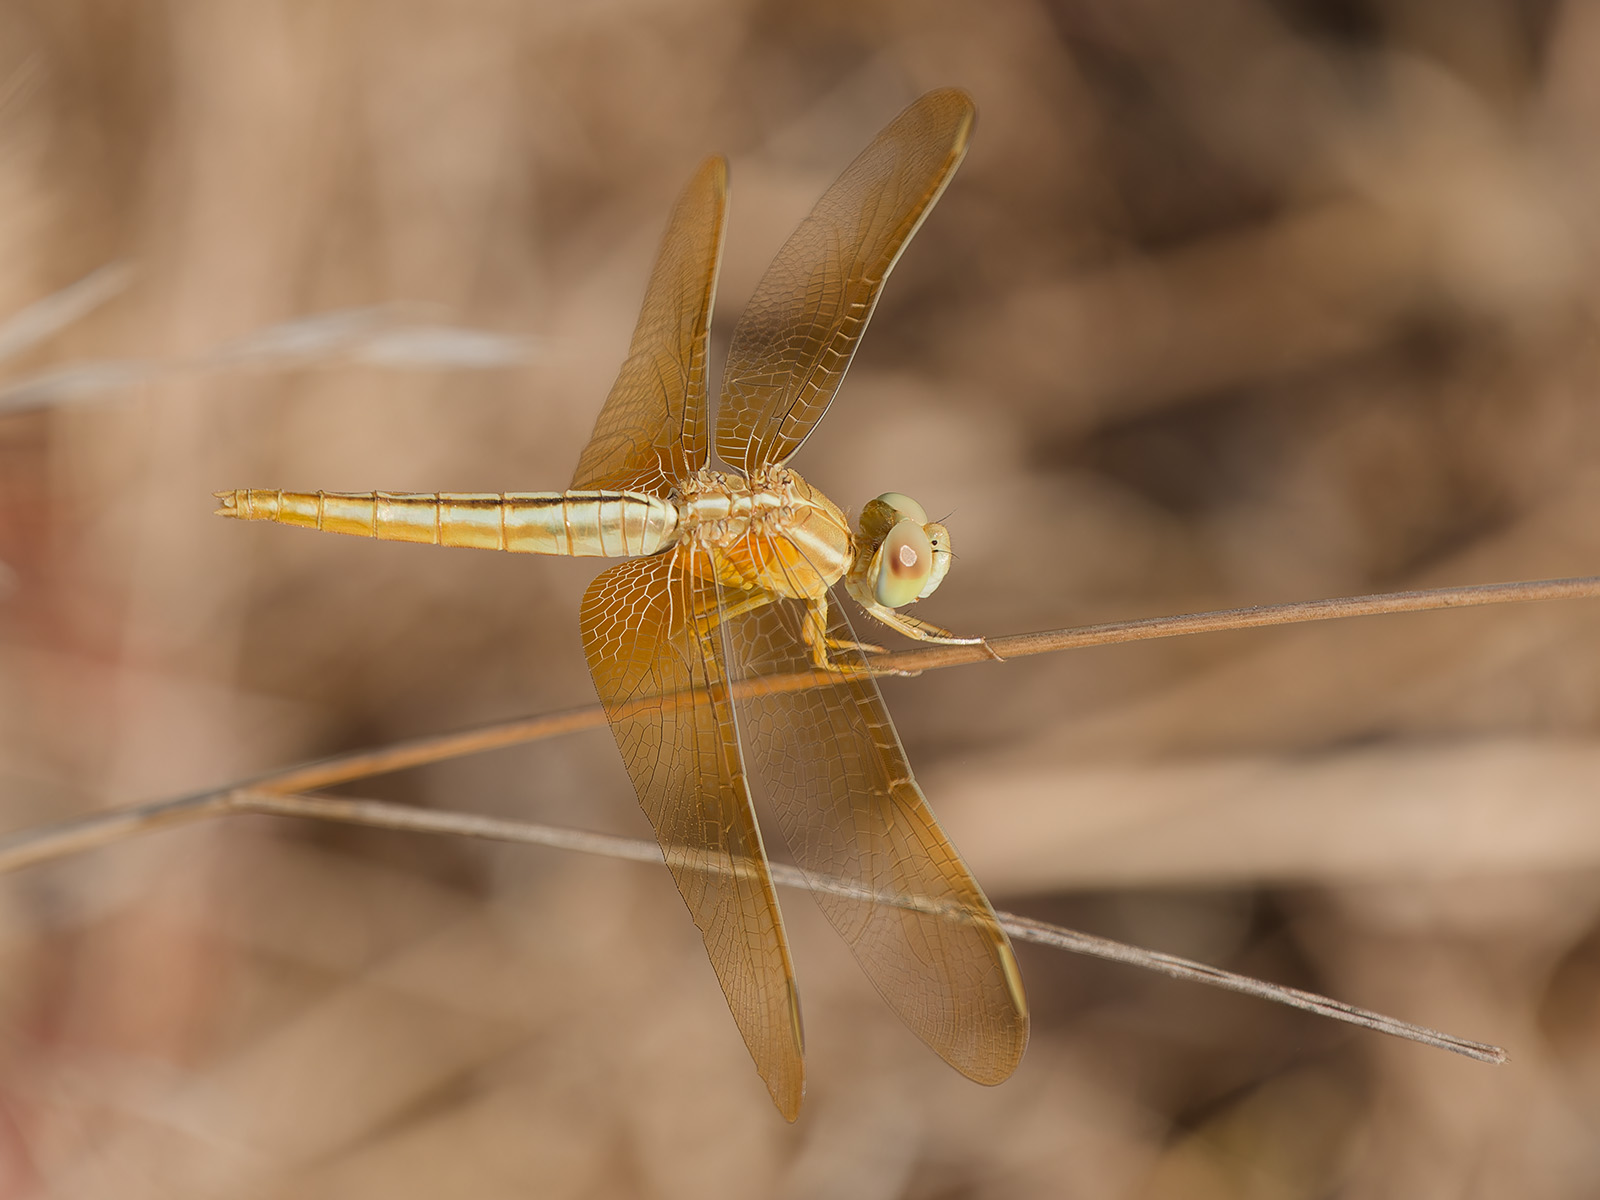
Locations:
column 771, row 531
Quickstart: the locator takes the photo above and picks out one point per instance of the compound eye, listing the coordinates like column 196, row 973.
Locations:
column 902, row 564
column 905, row 506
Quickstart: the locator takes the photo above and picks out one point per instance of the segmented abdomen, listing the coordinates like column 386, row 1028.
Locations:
column 592, row 524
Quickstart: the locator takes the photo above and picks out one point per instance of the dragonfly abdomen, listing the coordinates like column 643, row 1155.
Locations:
column 589, row 524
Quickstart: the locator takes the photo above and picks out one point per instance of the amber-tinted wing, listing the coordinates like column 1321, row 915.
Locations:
column 653, row 429
column 795, row 341
column 649, row 632
column 829, row 762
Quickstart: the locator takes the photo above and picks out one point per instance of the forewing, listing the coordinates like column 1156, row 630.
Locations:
column 829, row 762
column 653, row 429
column 648, row 631
column 795, row 341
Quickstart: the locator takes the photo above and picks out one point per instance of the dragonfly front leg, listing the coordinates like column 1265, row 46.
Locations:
column 916, row 627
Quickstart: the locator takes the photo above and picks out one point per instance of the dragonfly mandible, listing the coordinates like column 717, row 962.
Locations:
column 728, row 578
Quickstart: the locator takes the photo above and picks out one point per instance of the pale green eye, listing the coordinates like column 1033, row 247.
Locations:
column 903, row 563
column 905, row 506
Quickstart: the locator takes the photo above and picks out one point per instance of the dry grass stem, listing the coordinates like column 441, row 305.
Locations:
column 382, row 815
column 47, row 317
column 43, row 844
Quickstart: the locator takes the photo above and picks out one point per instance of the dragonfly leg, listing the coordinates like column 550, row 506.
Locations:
column 920, row 630
column 917, row 628
column 815, row 632
column 747, row 602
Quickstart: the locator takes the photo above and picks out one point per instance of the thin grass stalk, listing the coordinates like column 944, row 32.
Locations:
column 45, row 843
column 382, row 815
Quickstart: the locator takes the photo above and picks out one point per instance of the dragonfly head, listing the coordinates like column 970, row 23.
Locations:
column 905, row 555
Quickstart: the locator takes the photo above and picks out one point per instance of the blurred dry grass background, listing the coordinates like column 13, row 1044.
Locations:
column 1233, row 302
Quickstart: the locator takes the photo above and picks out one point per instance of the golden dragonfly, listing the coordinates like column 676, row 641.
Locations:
column 727, row 579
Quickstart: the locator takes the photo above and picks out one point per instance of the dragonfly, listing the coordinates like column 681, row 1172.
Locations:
column 731, row 576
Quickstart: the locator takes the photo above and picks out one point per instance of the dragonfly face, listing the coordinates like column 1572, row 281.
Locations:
column 732, row 583
column 903, row 557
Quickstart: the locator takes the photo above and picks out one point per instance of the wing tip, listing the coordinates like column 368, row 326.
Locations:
column 786, row 1080
column 956, row 96
column 787, row 1099
column 959, row 105
column 1004, row 1056
column 710, row 180
column 714, row 166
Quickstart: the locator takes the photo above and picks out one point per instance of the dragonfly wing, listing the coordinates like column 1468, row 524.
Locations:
column 653, row 430
column 795, row 341
column 649, row 632
column 829, row 762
